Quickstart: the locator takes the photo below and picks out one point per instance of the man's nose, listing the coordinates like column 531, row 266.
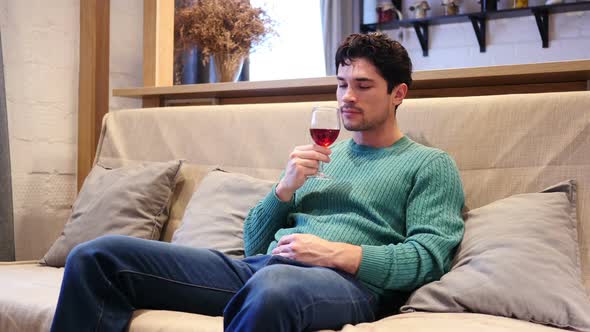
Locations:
column 349, row 96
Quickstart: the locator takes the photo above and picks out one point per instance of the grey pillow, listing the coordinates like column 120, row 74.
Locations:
column 131, row 200
column 519, row 258
column 215, row 215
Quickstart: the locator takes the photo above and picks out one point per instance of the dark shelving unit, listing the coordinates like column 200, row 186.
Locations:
column 479, row 19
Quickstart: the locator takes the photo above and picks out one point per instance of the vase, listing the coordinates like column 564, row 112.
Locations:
column 189, row 67
column 227, row 66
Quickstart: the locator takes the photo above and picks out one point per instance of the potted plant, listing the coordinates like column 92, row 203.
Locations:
column 223, row 29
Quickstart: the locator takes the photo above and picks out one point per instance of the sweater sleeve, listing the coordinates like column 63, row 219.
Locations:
column 434, row 228
column 263, row 221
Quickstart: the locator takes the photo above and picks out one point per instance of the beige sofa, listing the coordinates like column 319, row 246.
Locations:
column 503, row 145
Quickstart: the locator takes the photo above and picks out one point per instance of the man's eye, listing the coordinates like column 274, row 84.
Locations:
column 342, row 85
column 364, row 87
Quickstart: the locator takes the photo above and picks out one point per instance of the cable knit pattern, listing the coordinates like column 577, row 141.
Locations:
column 402, row 204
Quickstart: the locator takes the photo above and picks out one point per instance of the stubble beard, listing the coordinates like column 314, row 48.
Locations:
column 363, row 125
column 360, row 127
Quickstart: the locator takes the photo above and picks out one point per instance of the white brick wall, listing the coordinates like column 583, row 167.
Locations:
column 40, row 43
column 126, row 50
column 508, row 41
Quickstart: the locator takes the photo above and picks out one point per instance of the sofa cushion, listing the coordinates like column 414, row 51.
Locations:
column 188, row 181
column 29, row 296
column 519, row 258
column 27, row 306
column 447, row 322
column 161, row 320
column 164, row 320
column 215, row 214
column 131, row 200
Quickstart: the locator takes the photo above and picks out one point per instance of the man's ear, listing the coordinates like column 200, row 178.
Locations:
column 398, row 94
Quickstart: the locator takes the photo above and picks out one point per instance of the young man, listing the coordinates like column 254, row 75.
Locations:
column 333, row 252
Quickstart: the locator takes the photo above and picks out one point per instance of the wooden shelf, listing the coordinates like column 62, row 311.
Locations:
column 529, row 78
column 479, row 19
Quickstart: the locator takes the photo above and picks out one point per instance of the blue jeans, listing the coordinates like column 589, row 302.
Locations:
column 107, row 278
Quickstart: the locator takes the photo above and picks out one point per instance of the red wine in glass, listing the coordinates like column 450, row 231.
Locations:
column 324, row 137
column 324, row 130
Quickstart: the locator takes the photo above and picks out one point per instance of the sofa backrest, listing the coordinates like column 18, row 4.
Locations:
column 503, row 145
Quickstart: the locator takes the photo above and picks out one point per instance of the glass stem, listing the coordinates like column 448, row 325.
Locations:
column 321, row 169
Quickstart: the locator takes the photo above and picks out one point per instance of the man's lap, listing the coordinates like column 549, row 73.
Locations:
column 167, row 276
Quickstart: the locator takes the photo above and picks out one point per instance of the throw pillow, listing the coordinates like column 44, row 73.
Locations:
column 131, row 200
column 519, row 258
column 215, row 214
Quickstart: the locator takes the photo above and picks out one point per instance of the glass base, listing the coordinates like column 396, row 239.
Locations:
column 320, row 176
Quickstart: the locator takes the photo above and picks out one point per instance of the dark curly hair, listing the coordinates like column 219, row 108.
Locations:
column 389, row 56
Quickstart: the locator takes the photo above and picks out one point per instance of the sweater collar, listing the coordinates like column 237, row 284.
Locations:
column 396, row 147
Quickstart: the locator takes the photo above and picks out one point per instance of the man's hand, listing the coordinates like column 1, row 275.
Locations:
column 310, row 249
column 303, row 162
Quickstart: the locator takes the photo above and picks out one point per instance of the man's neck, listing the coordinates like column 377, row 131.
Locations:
column 378, row 139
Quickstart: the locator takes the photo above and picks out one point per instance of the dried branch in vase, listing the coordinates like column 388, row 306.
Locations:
column 221, row 27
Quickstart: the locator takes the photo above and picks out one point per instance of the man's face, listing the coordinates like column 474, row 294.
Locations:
column 362, row 96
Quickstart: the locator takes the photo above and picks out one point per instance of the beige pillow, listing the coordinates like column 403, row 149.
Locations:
column 519, row 258
column 131, row 200
column 215, row 215
column 189, row 178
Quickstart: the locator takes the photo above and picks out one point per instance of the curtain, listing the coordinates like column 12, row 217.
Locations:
column 340, row 18
column 6, row 216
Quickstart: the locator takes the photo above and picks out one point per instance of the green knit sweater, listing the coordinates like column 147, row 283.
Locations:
column 402, row 204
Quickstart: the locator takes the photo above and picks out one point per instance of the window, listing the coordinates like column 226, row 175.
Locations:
column 297, row 51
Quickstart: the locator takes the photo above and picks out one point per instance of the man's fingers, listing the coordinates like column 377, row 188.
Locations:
column 283, row 241
column 307, row 163
column 286, row 255
column 314, row 147
column 310, row 154
column 283, row 250
column 286, row 239
column 303, row 162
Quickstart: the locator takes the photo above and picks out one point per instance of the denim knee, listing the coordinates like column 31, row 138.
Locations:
column 88, row 250
column 277, row 287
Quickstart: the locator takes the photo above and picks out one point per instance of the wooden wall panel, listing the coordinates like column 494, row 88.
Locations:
column 158, row 42
column 93, row 95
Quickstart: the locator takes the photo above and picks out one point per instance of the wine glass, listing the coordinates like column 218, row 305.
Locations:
column 324, row 130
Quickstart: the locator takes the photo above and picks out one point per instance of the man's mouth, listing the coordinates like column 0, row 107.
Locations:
column 349, row 110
